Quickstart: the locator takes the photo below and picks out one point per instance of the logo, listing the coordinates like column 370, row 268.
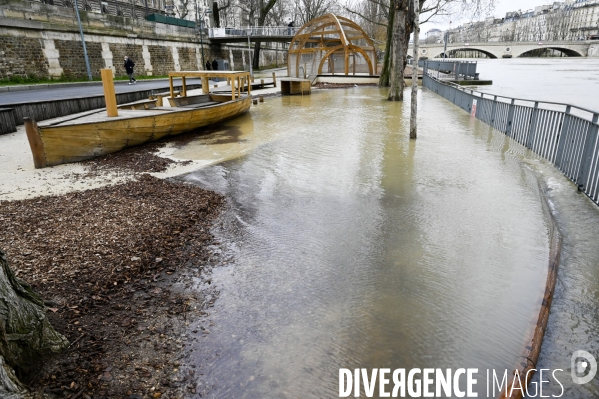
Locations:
column 584, row 367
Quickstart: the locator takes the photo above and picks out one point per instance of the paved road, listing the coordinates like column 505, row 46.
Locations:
column 84, row 90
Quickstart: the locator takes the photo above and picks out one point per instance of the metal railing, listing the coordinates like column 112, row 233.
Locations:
column 254, row 31
column 564, row 134
column 451, row 69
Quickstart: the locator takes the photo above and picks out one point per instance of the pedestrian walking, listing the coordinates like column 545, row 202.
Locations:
column 289, row 28
column 129, row 64
column 214, row 65
column 208, row 65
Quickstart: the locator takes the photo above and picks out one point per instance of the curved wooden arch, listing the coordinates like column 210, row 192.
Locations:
column 326, row 57
column 317, row 27
column 358, row 49
column 355, row 25
column 352, row 49
column 306, row 36
column 305, row 27
column 342, row 34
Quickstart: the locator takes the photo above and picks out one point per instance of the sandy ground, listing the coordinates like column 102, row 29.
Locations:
column 20, row 180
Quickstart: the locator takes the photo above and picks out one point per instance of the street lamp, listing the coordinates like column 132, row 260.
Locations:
column 200, row 23
column 249, row 31
column 89, row 71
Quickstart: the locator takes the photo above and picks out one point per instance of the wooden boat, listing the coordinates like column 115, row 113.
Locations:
column 90, row 134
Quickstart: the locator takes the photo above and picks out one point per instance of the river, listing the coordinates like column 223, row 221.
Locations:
column 350, row 246
column 572, row 81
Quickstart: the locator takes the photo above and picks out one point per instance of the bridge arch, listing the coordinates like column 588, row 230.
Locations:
column 450, row 50
column 568, row 51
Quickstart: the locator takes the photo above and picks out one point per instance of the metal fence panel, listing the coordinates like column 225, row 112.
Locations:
column 570, row 142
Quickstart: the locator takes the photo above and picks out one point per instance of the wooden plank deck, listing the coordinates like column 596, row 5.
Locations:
column 99, row 116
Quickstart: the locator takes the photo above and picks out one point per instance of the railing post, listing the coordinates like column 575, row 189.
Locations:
column 587, row 154
column 493, row 111
column 562, row 138
column 532, row 125
column 510, row 117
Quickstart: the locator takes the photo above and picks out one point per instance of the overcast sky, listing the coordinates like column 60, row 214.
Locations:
column 501, row 7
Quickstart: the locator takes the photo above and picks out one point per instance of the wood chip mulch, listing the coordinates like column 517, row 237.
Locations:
column 142, row 158
column 102, row 260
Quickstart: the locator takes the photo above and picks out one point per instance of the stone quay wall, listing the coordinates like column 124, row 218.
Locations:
column 43, row 40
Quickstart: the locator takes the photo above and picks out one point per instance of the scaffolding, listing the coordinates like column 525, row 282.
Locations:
column 331, row 44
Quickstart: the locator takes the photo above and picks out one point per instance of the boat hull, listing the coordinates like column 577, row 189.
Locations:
column 65, row 140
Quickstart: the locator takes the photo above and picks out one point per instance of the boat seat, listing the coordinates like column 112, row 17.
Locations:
column 142, row 104
column 191, row 100
column 206, row 104
column 160, row 96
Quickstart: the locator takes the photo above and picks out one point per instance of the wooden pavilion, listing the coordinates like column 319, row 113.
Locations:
column 331, row 44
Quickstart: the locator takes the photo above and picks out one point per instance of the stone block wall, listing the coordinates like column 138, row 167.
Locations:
column 188, row 58
column 48, row 45
column 119, row 51
column 72, row 60
column 21, row 56
column 162, row 59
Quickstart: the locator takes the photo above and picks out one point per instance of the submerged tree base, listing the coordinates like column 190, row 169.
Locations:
column 10, row 386
column 25, row 333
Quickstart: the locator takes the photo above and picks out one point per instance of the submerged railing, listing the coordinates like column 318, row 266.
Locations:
column 565, row 135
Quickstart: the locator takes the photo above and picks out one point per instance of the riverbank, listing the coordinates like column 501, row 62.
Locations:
column 106, row 262
column 110, row 248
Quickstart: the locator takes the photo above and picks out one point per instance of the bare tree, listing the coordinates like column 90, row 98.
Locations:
column 219, row 11
column 522, row 30
column 507, row 35
column 558, row 24
column 282, row 13
column 403, row 21
column 182, row 8
column 372, row 15
column 258, row 10
column 307, row 10
column 537, row 29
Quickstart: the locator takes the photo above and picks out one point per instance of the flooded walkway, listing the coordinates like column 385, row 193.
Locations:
column 354, row 247
column 574, row 319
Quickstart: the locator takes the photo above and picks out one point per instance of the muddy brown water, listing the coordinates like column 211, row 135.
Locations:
column 352, row 247
column 355, row 247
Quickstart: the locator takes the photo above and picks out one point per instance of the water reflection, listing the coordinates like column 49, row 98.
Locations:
column 564, row 80
column 360, row 248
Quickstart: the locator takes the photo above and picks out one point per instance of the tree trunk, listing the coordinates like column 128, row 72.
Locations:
column 256, row 60
column 25, row 333
column 263, row 12
column 385, row 72
column 216, row 14
column 10, row 386
column 401, row 36
column 414, row 110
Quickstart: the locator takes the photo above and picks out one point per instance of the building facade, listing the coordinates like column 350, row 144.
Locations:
column 569, row 20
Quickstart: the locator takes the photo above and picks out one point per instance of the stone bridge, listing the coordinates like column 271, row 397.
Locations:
column 512, row 49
